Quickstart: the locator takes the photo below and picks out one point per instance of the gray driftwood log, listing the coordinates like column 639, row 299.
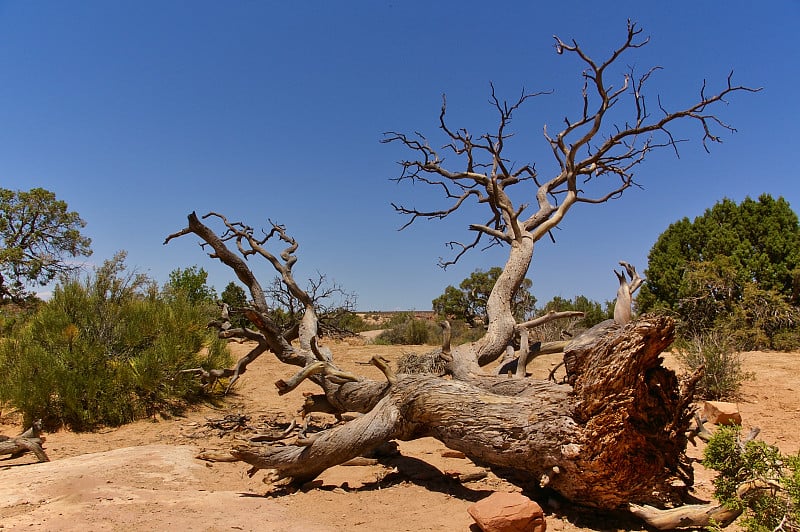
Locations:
column 28, row 441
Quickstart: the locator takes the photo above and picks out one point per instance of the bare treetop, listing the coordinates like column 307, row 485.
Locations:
column 593, row 147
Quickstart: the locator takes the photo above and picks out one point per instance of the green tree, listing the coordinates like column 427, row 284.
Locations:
column 452, row 303
column 593, row 311
column 235, row 297
column 734, row 268
column 468, row 302
column 761, row 239
column 192, row 282
column 39, row 235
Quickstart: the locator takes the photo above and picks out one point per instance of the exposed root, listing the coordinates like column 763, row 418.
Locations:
column 699, row 430
column 333, row 374
column 275, row 437
column 698, row 515
column 216, row 456
column 689, row 516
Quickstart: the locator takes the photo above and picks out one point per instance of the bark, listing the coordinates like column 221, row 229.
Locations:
column 28, row 441
column 615, row 435
column 16, row 447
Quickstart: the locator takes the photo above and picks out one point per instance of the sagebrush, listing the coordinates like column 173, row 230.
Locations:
column 720, row 358
column 106, row 351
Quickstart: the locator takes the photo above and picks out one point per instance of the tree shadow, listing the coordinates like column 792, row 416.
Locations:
column 402, row 469
column 408, row 469
column 423, row 474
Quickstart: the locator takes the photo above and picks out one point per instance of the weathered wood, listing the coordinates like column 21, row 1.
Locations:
column 700, row 515
column 16, row 447
column 29, row 441
column 611, row 438
column 688, row 516
column 615, row 433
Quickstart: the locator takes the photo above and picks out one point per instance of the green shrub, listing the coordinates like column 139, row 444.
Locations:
column 107, row 351
column 13, row 314
column 462, row 333
column 786, row 340
column 345, row 321
column 410, row 331
column 775, row 503
column 723, row 375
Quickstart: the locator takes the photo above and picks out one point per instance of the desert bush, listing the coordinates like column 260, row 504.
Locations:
column 461, row 332
column 407, row 333
column 345, row 322
column 786, row 340
column 14, row 314
column 716, row 351
column 775, row 503
column 404, row 329
column 106, row 351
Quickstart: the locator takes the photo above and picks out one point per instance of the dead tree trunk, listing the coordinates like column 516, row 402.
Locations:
column 28, row 441
column 615, row 436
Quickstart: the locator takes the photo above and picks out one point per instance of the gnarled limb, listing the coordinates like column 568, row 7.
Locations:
column 687, row 516
column 268, row 336
column 335, row 446
column 529, row 352
column 699, row 515
column 29, row 441
column 606, row 455
column 548, row 317
column 18, row 446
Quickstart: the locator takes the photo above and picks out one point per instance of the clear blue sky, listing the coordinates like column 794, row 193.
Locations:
column 137, row 113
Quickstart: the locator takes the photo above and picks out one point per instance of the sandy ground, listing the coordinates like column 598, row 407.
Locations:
column 144, row 476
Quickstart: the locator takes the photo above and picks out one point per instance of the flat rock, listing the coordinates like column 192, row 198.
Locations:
column 152, row 485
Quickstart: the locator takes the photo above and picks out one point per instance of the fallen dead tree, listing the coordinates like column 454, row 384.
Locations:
column 614, row 434
column 29, row 441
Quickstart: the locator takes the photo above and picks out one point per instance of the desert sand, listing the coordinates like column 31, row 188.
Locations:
column 145, row 475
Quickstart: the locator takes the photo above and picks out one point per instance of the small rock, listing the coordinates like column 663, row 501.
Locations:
column 508, row 512
column 722, row 413
column 472, row 477
column 449, row 453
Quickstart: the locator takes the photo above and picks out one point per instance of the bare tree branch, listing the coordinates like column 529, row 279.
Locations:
column 590, row 147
